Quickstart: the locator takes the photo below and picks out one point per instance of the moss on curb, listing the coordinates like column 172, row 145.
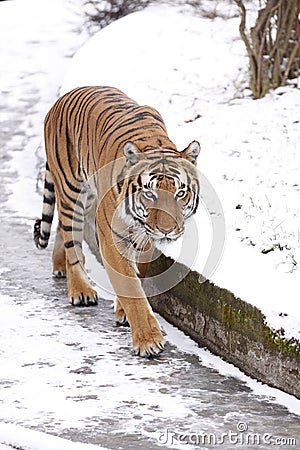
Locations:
column 285, row 346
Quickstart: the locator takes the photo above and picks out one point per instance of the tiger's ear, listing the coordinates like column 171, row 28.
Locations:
column 132, row 154
column 192, row 151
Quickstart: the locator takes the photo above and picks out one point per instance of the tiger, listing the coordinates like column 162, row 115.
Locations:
column 102, row 146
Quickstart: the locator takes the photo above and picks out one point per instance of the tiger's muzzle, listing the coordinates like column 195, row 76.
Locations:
column 165, row 221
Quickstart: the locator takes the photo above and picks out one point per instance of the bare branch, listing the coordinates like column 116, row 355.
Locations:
column 273, row 45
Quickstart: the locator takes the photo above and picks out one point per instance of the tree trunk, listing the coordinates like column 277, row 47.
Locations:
column 273, row 44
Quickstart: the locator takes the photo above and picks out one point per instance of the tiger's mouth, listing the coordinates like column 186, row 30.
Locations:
column 163, row 234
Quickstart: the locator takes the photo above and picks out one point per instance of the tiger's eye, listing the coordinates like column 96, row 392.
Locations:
column 180, row 194
column 149, row 195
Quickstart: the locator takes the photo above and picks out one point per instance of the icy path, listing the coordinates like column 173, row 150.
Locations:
column 69, row 372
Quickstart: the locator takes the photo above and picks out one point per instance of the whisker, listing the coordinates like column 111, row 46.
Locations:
column 119, row 241
column 143, row 241
column 132, row 243
column 122, row 238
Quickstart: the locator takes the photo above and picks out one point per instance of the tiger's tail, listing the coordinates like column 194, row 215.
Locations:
column 42, row 227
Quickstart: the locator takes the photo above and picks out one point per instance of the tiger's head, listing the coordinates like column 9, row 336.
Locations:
column 161, row 190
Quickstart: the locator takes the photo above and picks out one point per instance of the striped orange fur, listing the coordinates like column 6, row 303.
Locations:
column 102, row 146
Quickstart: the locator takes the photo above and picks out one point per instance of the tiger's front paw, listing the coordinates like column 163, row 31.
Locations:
column 147, row 338
column 83, row 296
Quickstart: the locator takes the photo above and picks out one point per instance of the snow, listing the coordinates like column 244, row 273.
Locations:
column 249, row 148
column 15, row 436
column 28, row 36
column 46, row 347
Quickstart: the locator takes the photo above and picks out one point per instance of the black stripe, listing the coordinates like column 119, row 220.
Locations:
column 80, row 118
column 45, row 235
column 72, row 187
column 70, row 216
column 74, row 201
column 154, row 172
column 111, row 112
column 196, row 203
column 127, row 210
column 189, row 181
column 175, row 171
column 70, row 208
column 74, row 264
column 138, row 118
column 133, row 134
column 72, row 102
column 49, row 186
column 131, row 200
column 167, row 152
column 47, row 218
column 72, row 106
column 62, row 170
column 141, row 129
column 131, row 211
column 70, row 244
column 49, row 201
column 68, row 227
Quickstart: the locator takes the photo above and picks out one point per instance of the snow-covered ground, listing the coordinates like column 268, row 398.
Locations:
column 39, row 74
column 14, row 436
column 194, row 71
column 69, row 372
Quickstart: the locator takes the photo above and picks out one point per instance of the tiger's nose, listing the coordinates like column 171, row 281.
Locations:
column 165, row 230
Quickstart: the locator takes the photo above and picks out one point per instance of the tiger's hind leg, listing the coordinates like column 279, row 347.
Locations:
column 80, row 292
column 59, row 256
column 121, row 319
